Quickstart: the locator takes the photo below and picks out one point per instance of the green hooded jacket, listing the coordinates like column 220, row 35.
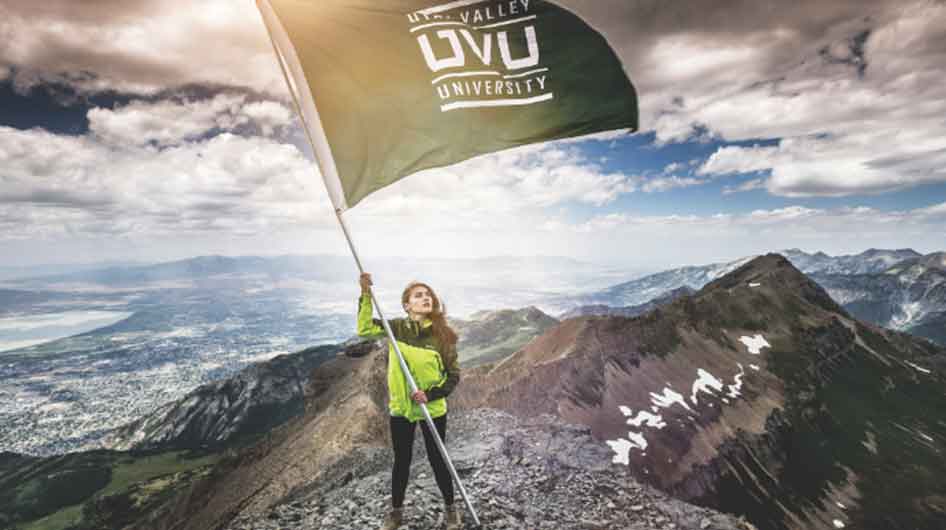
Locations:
column 435, row 367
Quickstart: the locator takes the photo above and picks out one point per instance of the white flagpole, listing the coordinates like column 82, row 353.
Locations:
column 305, row 106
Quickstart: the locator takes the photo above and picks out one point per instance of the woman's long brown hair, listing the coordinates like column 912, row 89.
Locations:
column 444, row 333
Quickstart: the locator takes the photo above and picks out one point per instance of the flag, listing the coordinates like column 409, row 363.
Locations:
column 392, row 87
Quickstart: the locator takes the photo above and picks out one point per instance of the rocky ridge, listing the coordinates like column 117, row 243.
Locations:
column 521, row 474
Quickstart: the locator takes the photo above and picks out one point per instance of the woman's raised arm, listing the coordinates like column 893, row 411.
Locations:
column 367, row 325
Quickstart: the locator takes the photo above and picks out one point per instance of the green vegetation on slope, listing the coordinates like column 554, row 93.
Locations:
column 494, row 335
column 94, row 489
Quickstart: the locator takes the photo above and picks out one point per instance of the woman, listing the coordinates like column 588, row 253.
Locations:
column 429, row 348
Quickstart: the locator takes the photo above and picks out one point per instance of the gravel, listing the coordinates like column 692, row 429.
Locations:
column 521, row 474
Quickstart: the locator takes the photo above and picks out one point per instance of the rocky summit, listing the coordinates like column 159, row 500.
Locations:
column 521, row 474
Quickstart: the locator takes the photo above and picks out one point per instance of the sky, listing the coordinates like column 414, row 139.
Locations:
column 154, row 130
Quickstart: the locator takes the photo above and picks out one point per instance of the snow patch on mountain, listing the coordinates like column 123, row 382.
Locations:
column 919, row 368
column 735, row 388
column 667, row 398
column 705, row 382
column 643, row 417
column 755, row 343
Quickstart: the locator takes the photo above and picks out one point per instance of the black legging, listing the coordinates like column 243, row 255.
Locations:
column 402, row 438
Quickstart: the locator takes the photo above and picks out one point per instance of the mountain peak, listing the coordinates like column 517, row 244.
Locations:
column 766, row 266
column 775, row 271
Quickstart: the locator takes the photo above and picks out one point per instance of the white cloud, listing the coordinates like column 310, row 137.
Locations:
column 170, row 122
column 863, row 74
column 673, row 167
column 838, row 165
column 142, row 46
column 849, row 119
column 59, row 185
column 269, row 115
column 933, row 212
column 849, row 87
column 789, row 213
column 790, row 218
column 229, row 185
column 749, row 185
column 660, row 184
column 530, row 177
column 733, row 159
column 164, row 122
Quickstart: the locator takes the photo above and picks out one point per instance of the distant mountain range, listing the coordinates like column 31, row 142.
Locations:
column 35, row 271
column 908, row 296
column 898, row 289
column 870, row 261
column 647, row 288
column 629, row 311
column 320, row 267
column 203, row 267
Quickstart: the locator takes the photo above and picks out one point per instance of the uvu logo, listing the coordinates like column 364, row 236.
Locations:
column 477, row 66
column 484, row 52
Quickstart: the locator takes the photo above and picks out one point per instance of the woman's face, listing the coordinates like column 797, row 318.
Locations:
column 419, row 301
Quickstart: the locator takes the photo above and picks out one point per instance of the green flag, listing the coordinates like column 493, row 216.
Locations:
column 404, row 85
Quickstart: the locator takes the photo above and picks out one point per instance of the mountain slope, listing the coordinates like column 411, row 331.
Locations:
column 757, row 395
column 95, row 489
column 491, row 335
column 345, row 408
column 247, row 404
column 342, row 408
